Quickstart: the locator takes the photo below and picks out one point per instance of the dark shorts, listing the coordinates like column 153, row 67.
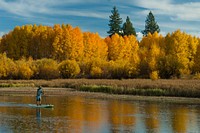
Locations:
column 38, row 98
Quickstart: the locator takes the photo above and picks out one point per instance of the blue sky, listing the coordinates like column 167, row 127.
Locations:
column 93, row 15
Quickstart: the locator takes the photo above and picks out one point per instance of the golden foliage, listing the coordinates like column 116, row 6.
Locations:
column 94, row 46
column 69, row 68
column 116, row 56
column 154, row 75
column 46, row 69
column 150, row 52
column 97, row 64
column 7, row 67
column 24, row 69
column 96, row 72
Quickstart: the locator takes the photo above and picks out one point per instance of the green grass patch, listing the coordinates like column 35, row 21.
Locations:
column 141, row 92
column 122, row 90
column 17, row 85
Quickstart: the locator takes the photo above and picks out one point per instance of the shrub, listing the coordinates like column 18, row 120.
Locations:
column 69, row 68
column 96, row 72
column 46, row 69
column 7, row 67
column 118, row 69
column 24, row 70
column 154, row 75
column 94, row 67
column 196, row 76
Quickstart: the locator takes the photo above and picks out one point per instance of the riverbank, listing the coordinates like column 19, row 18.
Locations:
column 141, row 87
column 68, row 92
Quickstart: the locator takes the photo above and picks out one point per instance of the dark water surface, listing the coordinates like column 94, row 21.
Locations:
column 76, row 114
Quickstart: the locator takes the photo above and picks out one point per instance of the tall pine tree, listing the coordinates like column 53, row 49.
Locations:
column 128, row 28
column 115, row 22
column 151, row 25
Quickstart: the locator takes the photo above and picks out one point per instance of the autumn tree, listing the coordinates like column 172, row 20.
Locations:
column 24, row 70
column 151, row 25
column 116, row 47
column 58, row 42
column 94, row 68
column 16, row 42
column 123, row 55
column 132, row 55
column 69, row 68
column 196, row 65
column 46, row 69
column 115, row 22
column 8, row 69
column 94, row 46
column 193, row 44
column 176, row 61
column 76, row 46
column 128, row 28
column 41, row 46
column 150, row 51
column 68, row 43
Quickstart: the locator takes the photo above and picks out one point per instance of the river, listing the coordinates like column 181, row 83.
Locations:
column 76, row 114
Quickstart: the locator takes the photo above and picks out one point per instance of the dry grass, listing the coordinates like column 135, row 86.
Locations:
column 173, row 87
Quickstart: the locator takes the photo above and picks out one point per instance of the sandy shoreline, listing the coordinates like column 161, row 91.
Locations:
column 50, row 91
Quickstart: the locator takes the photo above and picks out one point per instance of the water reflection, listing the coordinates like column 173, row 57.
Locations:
column 152, row 117
column 121, row 116
column 180, row 119
column 82, row 115
column 38, row 116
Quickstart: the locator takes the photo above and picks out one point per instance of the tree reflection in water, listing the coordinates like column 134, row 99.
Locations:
column 80, row 114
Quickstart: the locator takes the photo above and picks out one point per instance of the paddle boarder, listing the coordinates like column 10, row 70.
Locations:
column 39, row 95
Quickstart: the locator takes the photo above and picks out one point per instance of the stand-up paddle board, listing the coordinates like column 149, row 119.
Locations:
column 41, row 106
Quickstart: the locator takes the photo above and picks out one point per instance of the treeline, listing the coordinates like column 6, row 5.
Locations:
column 43, row 52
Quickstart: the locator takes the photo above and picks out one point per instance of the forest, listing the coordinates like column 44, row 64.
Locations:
column 63, row 51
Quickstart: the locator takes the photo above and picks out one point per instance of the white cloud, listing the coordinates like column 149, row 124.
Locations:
column 139, row 36
column 2, row 33
column 188, row 11
column 27, row 8
column 169, row 14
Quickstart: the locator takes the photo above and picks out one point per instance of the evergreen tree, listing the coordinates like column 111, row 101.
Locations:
column 115, row 22
column 128, row 28
column 150, row 25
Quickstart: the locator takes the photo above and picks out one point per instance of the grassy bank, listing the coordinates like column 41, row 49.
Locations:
column 145, row 87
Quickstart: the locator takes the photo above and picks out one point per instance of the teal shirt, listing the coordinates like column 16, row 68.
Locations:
column 39, row 92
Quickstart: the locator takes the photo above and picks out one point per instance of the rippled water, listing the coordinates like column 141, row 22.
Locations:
column 84, row 115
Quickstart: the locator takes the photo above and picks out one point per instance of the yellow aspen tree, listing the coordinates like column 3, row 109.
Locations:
column 103, row 49
column 124, row 52
column 45, row 40
column 193, row 43
column 49, row 35
column 177, row 48
column 23, row 40
column 33, row 44
column 8, row 69
column 7, row 46
column 14, row 42
column 57, row 43
column 39, row 48
column 133, row 55
column 75, row 46
column 94, row 46
column 68, row 43
column 115, row 47
column 196, row 66
column 150, row 51
column 24, row 69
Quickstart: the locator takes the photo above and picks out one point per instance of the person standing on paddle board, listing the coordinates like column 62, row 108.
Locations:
column 39, row 95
